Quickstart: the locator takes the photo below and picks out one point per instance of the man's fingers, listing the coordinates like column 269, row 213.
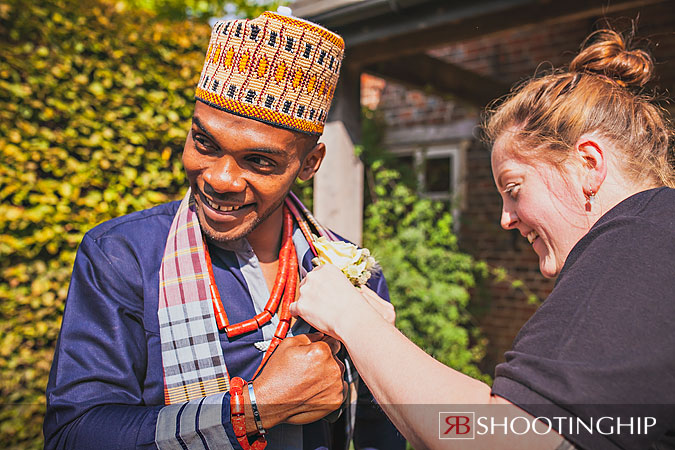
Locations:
column 333, row 343
column 341, row 365
column 314, row 337
column 310, row 338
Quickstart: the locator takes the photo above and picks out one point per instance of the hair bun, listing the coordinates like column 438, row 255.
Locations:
column 605, row 52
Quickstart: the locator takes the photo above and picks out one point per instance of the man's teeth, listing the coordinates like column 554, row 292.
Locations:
column 222, row 208
column 531, row 236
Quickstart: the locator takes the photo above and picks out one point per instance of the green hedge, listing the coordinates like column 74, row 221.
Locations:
column 429, row 278
column 95, row 104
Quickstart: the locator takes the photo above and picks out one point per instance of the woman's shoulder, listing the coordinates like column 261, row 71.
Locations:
column 636, row 226
column 626, row 257
column 656, row 206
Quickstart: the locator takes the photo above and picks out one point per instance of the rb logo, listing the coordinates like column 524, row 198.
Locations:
column 456, row 425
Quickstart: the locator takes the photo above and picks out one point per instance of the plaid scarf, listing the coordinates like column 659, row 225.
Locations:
column 192, row 357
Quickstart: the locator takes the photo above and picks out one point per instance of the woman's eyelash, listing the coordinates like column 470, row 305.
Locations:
column 509, row 190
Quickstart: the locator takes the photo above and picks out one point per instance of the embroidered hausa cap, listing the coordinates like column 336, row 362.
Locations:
column 275, row 69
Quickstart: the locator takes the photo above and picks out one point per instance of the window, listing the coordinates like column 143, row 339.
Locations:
column 438, row 170
column 437, row 176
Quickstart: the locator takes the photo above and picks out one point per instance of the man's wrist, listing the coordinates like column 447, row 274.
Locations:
column 256, row 412
column 248, row 412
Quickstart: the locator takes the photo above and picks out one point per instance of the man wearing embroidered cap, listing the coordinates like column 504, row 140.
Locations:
column 177, row 331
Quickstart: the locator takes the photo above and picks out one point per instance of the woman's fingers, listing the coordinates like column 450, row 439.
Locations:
column 328, row 301
column 322, row 298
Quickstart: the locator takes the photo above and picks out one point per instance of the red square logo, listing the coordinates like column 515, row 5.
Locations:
column 456, row 425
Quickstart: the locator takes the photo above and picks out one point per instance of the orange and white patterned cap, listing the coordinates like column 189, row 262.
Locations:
column 275, row 69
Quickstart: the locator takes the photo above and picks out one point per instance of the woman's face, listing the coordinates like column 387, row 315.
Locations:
column 546, row 204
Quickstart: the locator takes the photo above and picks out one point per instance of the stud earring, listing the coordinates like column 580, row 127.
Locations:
column 591, row 198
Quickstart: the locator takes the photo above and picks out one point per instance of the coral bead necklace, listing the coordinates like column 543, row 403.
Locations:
column 283, row 293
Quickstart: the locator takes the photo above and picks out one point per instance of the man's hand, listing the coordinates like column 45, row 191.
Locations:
column 302, row 381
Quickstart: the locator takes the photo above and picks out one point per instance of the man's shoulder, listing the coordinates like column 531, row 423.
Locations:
column 140, row 224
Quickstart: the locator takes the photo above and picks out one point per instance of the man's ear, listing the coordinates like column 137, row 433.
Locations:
column 312, row 161
column 591, row 149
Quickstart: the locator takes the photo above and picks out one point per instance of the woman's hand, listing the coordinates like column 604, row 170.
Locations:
column 328, row 301
column 383, row 307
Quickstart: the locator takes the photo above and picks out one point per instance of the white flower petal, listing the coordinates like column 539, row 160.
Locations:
column 354, row 262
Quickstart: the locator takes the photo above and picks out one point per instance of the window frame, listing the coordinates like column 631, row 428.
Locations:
column 456, row 151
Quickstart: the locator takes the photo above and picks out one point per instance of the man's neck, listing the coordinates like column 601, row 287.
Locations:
column 265, row 240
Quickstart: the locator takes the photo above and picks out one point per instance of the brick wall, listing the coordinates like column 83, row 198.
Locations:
column 509, row 56
column 502, row 310
column 514, row 55
column 402, row 107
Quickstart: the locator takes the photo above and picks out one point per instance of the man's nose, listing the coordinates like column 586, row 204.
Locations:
column 225, row 175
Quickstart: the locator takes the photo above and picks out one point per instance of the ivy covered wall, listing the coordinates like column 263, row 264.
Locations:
column 95, row 104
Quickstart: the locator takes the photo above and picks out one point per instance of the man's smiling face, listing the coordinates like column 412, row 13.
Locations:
column 240, row 170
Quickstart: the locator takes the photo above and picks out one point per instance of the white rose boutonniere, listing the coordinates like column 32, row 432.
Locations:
column 356, row 263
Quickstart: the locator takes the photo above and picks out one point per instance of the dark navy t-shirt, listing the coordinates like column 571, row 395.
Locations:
column 603, row 342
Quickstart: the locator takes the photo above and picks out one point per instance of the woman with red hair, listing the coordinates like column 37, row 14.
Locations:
column 583, row 161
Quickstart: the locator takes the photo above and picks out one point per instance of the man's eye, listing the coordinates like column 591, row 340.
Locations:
column 201, row 141
column 261, row 161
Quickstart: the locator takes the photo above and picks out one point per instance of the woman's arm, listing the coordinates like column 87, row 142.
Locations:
column 405, row 380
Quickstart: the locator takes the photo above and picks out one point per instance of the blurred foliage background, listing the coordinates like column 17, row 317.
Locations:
column 96, row 98
column 205, row 9
column 431, row 282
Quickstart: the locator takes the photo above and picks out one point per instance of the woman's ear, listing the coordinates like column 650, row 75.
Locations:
column 591, row 149
column 312, row 161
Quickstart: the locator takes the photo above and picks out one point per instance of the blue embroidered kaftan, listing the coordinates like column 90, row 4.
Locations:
column 106, row 386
